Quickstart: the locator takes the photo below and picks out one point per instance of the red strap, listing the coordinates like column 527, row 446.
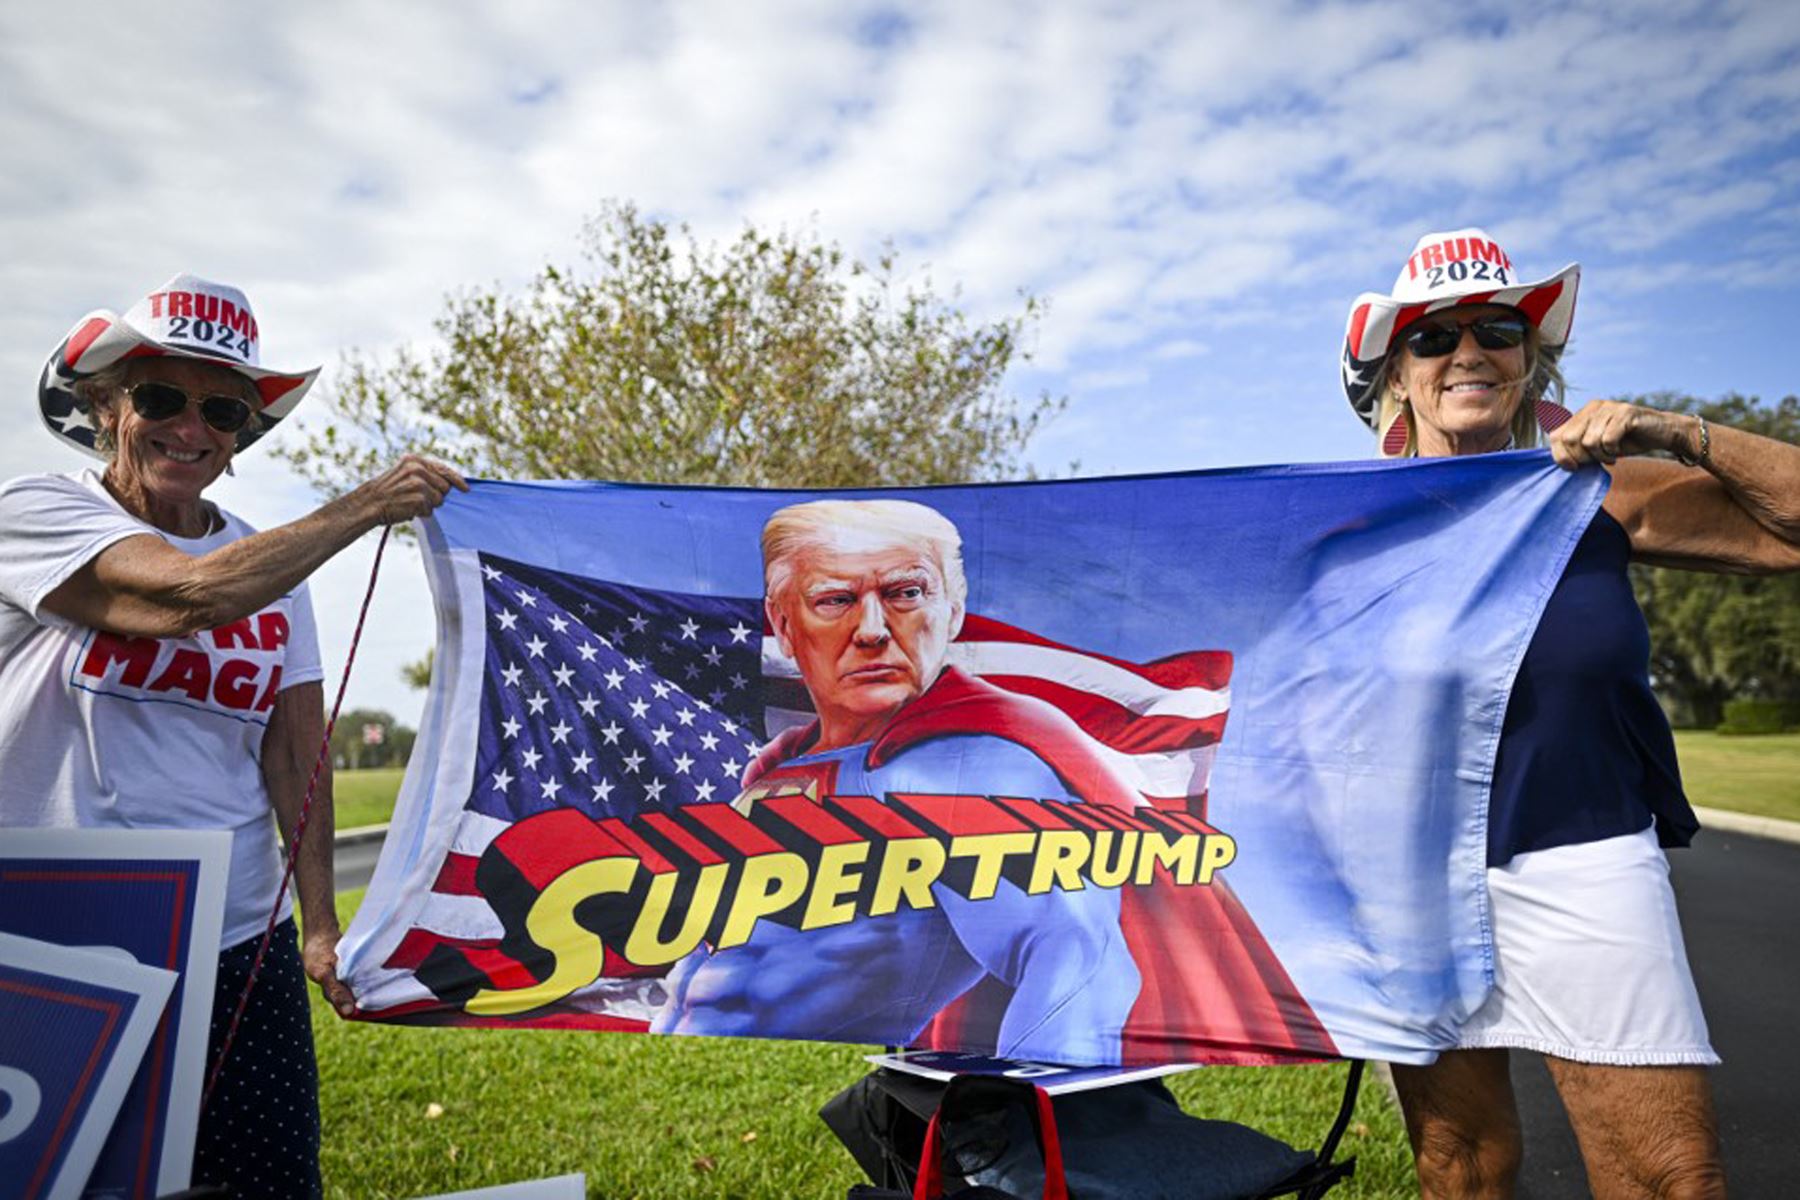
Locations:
column 930, row 1183
column 293, row 854
column 1056, row 1186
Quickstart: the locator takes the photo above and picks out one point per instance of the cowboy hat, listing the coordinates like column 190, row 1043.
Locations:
column 1464, row 266
column 187, row 317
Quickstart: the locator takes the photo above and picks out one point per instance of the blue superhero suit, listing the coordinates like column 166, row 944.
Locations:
column 1057, row 965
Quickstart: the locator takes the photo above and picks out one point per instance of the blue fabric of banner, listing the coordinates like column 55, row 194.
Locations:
column 1313, row 662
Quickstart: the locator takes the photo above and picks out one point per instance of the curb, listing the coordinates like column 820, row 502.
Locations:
column 1737, row 822
column 361, row 835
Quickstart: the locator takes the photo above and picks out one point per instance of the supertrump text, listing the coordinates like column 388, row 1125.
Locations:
column 582, row 899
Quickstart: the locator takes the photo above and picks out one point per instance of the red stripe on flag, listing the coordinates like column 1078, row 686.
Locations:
column 417, row 945
column 1115, row 725
column 457, row 876
column 1210, row 669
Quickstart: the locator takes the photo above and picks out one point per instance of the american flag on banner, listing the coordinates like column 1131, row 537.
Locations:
column 614, row 700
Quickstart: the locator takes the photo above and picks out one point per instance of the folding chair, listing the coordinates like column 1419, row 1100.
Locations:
column 899, row 1127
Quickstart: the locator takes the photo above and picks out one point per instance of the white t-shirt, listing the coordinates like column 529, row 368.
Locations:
column 97, row 729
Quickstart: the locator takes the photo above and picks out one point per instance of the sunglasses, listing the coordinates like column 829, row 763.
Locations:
column 161, row 401
column 1491, row 333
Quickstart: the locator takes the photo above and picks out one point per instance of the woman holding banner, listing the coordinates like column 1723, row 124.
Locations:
column 159, row 668
column 1461, row 358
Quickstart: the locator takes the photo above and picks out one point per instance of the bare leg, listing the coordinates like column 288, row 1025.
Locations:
column 1463, row 1124
column 1644, row 1131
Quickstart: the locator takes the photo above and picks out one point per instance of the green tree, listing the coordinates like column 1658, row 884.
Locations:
column 771, row 360
column 417, row 674
column 370, row 737
column 1715, row 638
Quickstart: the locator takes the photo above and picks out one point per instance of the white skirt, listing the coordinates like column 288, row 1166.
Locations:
column 1588, row 959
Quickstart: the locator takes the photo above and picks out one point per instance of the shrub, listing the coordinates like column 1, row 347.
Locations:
column 1754, row 716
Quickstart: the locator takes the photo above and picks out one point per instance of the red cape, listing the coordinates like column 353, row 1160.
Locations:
column 1213, row 990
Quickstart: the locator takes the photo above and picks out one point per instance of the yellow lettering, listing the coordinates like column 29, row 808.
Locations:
column 769, row 884
column 1176, row 857
column 837, row 878
column 989, row 850
column 1219, row 851
column 1061, row 855
column 551, row 924
column 908, row 870
column 1110, row 869
column 646, row 946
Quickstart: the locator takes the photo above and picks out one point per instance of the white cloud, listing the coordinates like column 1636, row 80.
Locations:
column 1171, row 176
column 1110, row 380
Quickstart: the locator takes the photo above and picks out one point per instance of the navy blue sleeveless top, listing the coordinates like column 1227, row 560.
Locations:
column 1586, row 751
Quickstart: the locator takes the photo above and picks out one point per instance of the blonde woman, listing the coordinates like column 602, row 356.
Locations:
column 1461, row 358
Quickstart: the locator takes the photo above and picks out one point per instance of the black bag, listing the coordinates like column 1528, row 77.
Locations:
column 970, row 1131
column 1010, row 1139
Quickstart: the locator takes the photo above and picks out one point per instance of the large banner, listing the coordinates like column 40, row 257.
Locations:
column 1186, row 768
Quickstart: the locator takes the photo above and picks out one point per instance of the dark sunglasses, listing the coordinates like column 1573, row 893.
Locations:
column 161, row 401
column 1491, row 333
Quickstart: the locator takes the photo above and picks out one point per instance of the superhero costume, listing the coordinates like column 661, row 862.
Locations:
column 1094, row 976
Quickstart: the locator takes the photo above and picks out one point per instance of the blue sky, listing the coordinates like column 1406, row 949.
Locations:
column 1198, row 190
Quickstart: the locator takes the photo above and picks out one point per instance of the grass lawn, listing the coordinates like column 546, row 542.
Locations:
column 1758, row 775
column 365, row 797
column 662, row 1117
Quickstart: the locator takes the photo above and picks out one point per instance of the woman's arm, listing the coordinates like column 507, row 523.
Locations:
column 1738, row 511
column 289, row 750
column 144, row 587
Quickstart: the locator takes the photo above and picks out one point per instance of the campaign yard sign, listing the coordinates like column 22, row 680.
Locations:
column 156, row 897
column 74, row 1025
column 1182, row 768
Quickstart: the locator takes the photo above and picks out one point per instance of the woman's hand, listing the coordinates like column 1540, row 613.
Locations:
column 318, row 955
column 412, row 487
column 1605, row 431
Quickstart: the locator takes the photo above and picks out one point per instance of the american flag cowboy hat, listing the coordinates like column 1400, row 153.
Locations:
column 1464, row 266
column 187, row 317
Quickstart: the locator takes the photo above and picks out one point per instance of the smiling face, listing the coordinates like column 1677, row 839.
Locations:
column 869, row 621
column 1462, row 402
column 161, row 467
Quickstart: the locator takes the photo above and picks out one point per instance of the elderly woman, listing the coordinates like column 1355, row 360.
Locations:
column 1590, row 970
column 159, row 667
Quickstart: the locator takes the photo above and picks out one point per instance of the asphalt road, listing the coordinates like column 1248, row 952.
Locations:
column 356, row 862
column 1740, row 914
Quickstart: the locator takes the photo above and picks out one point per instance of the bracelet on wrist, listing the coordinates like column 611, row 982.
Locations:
column 1701, row 457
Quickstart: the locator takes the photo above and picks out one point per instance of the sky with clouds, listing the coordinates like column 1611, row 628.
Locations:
column 1198, row 190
